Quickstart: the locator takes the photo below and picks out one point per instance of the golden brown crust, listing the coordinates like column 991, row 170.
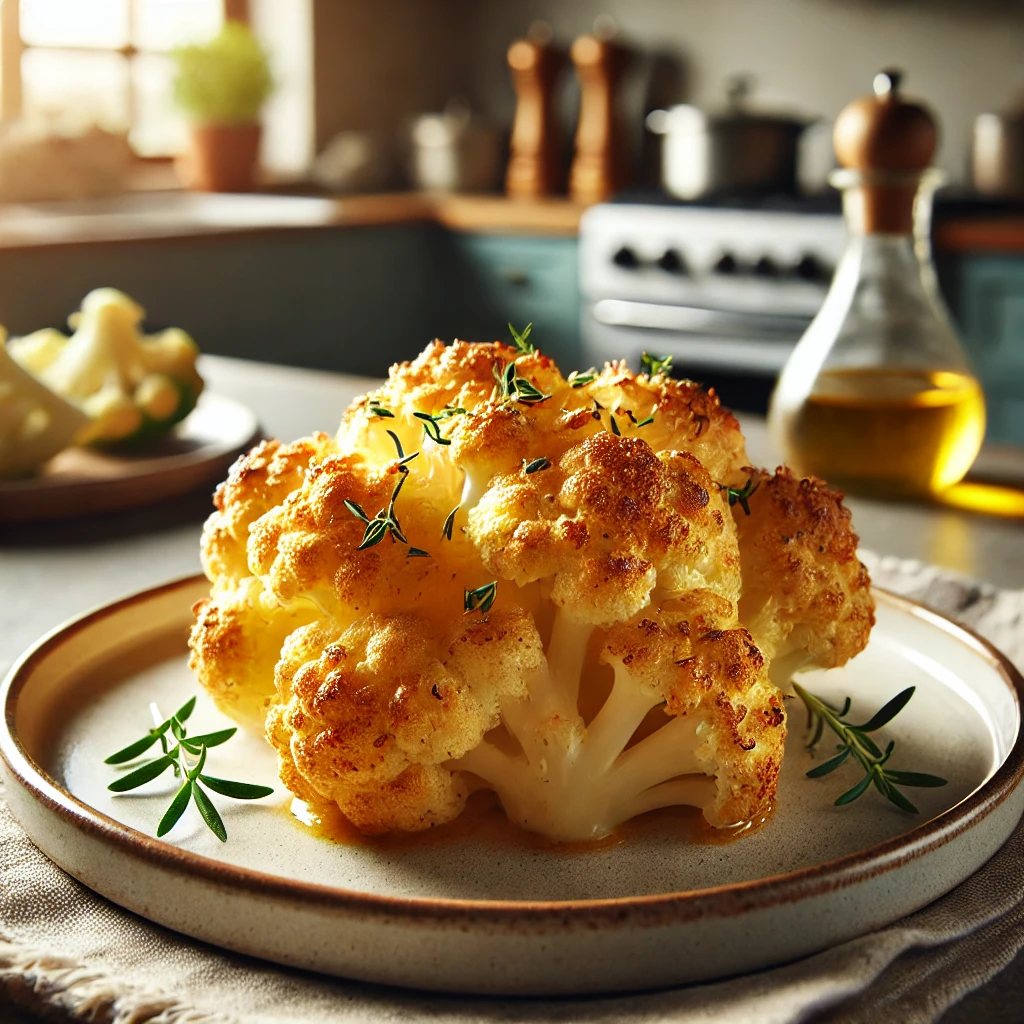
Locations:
column 370, row 678
column 803, row 584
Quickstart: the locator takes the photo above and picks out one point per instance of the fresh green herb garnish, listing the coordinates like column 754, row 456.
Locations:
column 449, row 523
column 417, row 553
column 652, row 365
column 186, row 758
column 379, row 410
column 614, row 425
column 481, row 599
column 431, row 427
column 537, row 465
column 579, row 380
column 384, row 521
column 514, row 388
column 857, row 743
column 521, row 341
column 742, row 495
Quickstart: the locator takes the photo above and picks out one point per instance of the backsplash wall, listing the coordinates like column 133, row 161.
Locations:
column 809, row 55
column 377, row 61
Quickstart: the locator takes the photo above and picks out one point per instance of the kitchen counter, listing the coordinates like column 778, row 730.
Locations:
column 164, row 216
column 51, row 572
column 170, row 214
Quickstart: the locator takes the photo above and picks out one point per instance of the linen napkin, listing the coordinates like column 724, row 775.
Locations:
column 71, row 955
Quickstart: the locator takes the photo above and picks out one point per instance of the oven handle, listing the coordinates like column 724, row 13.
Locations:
column 694, row 320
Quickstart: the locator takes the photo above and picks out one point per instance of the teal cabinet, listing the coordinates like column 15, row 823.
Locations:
column 988, row 295
column 495, row 280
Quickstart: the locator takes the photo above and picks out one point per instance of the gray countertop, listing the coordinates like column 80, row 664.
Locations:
column 50, row 572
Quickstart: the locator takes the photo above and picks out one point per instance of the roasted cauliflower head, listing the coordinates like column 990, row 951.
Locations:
column 572, row 591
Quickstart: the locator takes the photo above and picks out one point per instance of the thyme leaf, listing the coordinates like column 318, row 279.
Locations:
column 579, row 380
column 652, row 365
column 537, row 465
column 379, row 410
column 513, row 388
column 481, row 599
column 449, row 523
column 431, row 427
column 856, row 743
column 742, row 495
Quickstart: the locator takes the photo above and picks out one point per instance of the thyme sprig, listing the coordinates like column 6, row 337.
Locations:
column 514, row 388
column 652, row 365
column 577, row 379
column 858, row 744
column 187, row 759
column 481, row 599
column 521, row 339
column 741, row 495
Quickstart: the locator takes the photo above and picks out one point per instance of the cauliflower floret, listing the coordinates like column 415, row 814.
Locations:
column 130, row 385
column 494, row 576
column 35, row 423
column 806, row 595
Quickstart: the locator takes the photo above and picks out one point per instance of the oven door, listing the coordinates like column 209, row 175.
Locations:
column 739, row 354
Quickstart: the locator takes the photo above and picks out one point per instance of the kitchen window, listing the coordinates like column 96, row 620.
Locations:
column 76, row 62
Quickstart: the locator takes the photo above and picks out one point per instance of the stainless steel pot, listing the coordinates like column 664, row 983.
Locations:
column 735, row 153
column 997, row 155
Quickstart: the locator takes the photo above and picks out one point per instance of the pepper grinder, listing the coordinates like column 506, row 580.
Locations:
column 598, row 169
column 879, row 396
column 535, row 158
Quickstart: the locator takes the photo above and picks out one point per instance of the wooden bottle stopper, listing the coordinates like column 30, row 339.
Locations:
column 598, row 168
column 888, row 143
column 534, row 166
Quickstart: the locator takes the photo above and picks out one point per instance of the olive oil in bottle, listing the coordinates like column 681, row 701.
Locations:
column 879, row 397
column 889, row 432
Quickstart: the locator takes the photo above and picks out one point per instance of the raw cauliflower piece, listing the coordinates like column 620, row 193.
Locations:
column 495, row 576
column 129, row 385
column 35, row 423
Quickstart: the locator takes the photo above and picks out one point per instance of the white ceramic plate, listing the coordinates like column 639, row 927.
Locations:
column 83, row 481
column 482, row 911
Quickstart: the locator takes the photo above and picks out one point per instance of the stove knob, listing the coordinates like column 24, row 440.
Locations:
column 726, row 264
column 626, row 258
column 672, row 262
column 766, row 267
column 810, row 268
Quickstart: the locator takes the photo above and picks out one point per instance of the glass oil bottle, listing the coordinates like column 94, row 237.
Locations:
column 879, row 397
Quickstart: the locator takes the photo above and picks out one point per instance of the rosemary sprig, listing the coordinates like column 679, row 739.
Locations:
column 652, row 365
column 579, row 380
column 521, row 340
column 514, row 388
column 186, row 758
column 857, row 743
column 481, row 599
column 537, row 465
column 742, row 495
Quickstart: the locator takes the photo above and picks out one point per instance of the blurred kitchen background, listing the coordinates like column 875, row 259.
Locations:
column 378, row 218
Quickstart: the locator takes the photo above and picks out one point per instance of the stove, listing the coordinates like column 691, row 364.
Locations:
column 727, row 289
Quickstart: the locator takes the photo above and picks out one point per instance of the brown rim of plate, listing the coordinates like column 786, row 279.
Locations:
column 662, row 908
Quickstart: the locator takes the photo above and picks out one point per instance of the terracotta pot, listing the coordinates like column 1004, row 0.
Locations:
column 221, row 157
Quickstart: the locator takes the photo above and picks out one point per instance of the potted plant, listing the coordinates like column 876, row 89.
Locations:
column 222, row 85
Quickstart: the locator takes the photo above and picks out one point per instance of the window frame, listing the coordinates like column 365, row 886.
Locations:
column 12, row 47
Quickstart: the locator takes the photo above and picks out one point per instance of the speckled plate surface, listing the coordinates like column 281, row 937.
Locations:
column 481, row 908
column 85, row 481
